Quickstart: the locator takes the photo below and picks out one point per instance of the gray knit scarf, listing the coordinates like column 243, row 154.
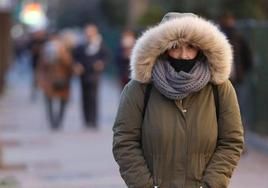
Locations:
column 178, row 85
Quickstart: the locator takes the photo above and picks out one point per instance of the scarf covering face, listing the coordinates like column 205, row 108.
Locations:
column 184, row 64
column 178, row 85
column 181, row 64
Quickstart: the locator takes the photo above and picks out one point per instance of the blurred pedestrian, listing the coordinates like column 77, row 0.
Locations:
column 91, row 58
column 54, row 74
column 36, row 42
column 123, row 53
column 243, row 61
column 178, row 122
column 69, row 39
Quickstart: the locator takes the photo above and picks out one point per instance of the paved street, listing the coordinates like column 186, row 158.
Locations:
column 75, row 157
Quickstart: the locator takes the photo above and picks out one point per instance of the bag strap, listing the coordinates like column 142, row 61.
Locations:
column 146, row 97
column 216, row 100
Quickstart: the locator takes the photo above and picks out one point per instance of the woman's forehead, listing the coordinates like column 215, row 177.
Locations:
column 184, row 44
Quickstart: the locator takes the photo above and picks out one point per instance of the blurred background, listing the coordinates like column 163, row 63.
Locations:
column 56, row 113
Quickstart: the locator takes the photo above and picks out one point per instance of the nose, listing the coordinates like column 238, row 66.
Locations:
column 184, row 54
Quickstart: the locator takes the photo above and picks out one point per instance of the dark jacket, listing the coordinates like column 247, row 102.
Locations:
column 87, row 61
column 242, row 55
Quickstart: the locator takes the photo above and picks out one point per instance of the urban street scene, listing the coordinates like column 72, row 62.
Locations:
column 133, row 93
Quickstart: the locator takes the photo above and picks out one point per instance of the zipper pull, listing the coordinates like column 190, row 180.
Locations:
column 184, row 110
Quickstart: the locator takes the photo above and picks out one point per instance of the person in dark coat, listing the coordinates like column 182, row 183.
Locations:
column 123, row 56
column 242, row 53
column 181, row 137
column 243, row 61
column 35, row 45
column 91, row 58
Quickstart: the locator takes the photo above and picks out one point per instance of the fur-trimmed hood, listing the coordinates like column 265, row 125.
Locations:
column 191, row 29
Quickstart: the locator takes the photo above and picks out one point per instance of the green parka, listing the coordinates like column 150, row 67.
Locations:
column 178, row 144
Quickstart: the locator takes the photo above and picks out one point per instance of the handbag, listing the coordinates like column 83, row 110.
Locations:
column 59, row 84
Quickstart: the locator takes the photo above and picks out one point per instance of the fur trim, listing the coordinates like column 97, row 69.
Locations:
column 194, row 30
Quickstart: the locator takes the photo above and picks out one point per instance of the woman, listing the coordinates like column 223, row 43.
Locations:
column 179, row 142
column 54, row 74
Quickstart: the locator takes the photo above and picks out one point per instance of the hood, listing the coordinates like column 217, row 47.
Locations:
column 191, row 29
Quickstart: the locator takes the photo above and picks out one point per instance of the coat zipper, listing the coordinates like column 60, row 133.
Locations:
column 182, row 109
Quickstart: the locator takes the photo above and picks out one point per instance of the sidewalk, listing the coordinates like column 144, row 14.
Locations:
column 76, row 157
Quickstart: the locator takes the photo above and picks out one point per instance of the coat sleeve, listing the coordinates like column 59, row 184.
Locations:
column 127, row 148
column 230, row 140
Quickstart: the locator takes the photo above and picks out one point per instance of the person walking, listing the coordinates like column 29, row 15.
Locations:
column 123, row 56
column 91, row 58
column 35, row 46
column 178, row 123
column 53, row 74
column 243, row 63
